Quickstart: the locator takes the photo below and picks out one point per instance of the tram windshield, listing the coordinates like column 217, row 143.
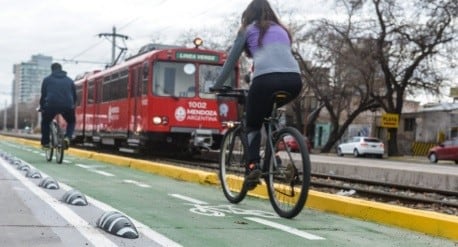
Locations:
column 179, row 79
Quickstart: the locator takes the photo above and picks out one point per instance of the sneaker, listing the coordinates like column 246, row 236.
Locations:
column 45, row 146
column 66, row 142
column 252, row 175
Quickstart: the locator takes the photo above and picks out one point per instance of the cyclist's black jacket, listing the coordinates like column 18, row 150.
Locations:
column 58, row 90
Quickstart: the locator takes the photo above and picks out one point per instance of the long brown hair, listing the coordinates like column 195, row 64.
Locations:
column 261, row 12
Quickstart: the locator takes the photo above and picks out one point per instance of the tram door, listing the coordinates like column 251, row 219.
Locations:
column 135, row 95
column 99, row 122
column 90, row 108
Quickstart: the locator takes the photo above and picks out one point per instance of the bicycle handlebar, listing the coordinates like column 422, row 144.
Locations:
column 233, row 92
column 220, row 89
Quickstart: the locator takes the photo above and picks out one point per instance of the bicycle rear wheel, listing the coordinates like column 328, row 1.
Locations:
column 232, row 165
column 60, row 147
column 288, row 181
column 52, row 140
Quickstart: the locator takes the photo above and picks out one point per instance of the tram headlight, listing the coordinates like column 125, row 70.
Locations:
column 198, row 42
column 157, row 120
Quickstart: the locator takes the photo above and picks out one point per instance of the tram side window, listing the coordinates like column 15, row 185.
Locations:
column 114, row 89
column 79, row 94
column 90, row 93
column 98, row 91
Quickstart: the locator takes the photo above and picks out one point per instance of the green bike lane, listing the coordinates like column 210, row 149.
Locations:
column 193, row 214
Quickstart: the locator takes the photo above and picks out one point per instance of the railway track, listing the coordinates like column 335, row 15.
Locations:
column 396, row 194
column 409, row 196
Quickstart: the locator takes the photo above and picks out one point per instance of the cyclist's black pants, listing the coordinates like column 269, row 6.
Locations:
column 260, row 103
column 48, row 114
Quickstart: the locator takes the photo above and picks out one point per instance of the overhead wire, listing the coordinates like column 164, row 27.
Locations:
column 122, row 27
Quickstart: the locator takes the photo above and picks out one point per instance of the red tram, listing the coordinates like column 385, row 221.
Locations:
column 155, row 99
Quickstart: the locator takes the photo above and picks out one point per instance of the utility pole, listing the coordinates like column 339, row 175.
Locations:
column 5, row 116
column 113, row 36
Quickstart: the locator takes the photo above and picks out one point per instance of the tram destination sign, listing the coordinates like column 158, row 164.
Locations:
column 182, row 55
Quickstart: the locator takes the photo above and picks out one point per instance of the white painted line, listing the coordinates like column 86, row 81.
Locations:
column 287, row 229
column 90, row 166
column 144, row 229
column 189, row 199
column 107, row 174
column 91, row 233
column 136, row 183
column 84, row 166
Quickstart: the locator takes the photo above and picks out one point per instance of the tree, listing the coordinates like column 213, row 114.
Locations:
column 343, row 73
column 410, row 38
column 401, row 43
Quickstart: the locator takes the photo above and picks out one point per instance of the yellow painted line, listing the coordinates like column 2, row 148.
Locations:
column 432, row 223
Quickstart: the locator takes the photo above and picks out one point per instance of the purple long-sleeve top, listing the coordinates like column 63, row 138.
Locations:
column 274, row 54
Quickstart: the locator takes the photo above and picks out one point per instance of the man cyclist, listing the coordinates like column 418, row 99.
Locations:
column 268, row 43
column 58, row 96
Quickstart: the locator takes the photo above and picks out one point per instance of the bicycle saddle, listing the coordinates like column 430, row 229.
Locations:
column 281, row 97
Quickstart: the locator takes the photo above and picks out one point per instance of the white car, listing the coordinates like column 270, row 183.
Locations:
column 361, row 145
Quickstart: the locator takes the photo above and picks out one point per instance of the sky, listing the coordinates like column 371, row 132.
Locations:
column 68, row 30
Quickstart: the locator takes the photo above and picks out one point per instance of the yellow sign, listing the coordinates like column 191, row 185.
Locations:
column 390, row 120
column 454, row 92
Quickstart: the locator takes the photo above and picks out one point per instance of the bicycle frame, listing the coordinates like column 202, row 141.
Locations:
column 287, row 175
column 56, row 131
column 270, row 124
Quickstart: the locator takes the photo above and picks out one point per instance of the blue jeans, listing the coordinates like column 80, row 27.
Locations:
column 48, row 114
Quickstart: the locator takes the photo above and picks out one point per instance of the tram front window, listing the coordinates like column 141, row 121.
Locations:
column 178, row 79
column 174, row 79
column 207, row 77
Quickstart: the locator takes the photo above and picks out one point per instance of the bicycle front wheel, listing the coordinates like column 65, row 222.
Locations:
column 232, row 165
column 288, row 177
column 52, row 140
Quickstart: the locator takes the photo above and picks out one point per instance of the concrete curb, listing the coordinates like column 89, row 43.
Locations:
column 432, row 223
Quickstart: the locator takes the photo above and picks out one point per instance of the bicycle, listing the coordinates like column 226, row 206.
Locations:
column 56, row 140
column 286, row 174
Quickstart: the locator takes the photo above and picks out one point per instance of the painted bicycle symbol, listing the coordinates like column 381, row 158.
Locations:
column 222, row 210
column 203, row 208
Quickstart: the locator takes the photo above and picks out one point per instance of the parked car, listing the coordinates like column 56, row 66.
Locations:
column 292, row 144
column 448, row 150
column 361, row 145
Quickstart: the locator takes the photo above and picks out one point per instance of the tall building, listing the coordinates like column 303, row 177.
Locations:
column 28, row 77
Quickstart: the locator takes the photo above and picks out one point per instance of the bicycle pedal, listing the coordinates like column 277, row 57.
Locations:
column 66, row 143
column 254, row 175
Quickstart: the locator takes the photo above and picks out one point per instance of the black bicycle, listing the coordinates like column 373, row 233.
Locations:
column 56, row 140
column 285, row 162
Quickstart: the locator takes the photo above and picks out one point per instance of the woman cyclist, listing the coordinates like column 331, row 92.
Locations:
column 264, row 39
